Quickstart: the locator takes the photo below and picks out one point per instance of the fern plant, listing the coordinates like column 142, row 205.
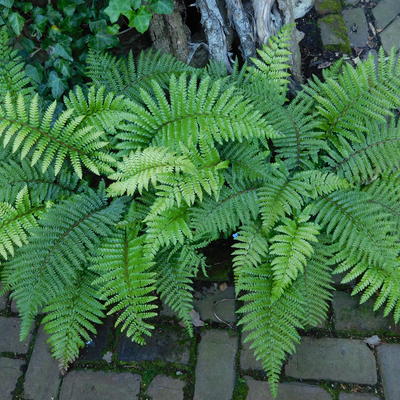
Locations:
column 108, row 199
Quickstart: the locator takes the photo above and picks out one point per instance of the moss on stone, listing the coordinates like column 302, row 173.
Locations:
column 334, row 33
column 324, row 7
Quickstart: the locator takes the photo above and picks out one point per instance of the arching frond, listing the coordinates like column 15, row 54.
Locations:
column 125, row 281
column 52, row 140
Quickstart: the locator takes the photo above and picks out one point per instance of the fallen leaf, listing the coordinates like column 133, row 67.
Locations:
column 373, row 341
column 108, row 357
column 196, row 321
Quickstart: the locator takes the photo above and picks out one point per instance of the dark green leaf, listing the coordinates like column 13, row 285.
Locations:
column 56, row 84
column 60, row 51
column 140, row 19
column 7, row 3
column 17, row 22
column 162, row 6
column 33, row 73
column 116, row 8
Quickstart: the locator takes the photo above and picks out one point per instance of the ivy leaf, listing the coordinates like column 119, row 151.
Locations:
column 56, row 84
column 140, row 19
column 59, row 50
column 33, row 73
column 162, row 6
column 17, row 22
column 116, row 8
column 7, row 3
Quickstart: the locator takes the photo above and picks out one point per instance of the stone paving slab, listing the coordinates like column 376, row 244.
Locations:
column 324, row 7
column 164, row 345
column 213, row 302
column 357, row 26
column 42, row 377
column 350, row 315
column 165, row 388
column 390, row 37
column 10, row 342
column 389, row 365
column 100, row 385
column 357, row 396
column 10, row 371
column 215, row 368
column 334, row 33
column 343, row 360
column 385, row 12
column 247, row 359
column 259, row 390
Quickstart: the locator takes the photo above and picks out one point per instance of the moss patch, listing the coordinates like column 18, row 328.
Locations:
column 334, row 33
column 324, row 7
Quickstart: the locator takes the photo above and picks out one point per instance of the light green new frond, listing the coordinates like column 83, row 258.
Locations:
column 145, row 167
column 71, row 317
column 291, row 248
column 344, row 103
column 102, row 110
column 169, row 228
column 175, row 271
column 58, row 248
column 12, row 70
column 52, row 140
column 376, row 153
column 251, row 248
column 43, row 186
column 127, row 76
column 274, row 62
column 271, row 326
column 236, row 205
column 281, row 194
column 357, row 225
column 194, row 109
column 126, row 282
column 16, row 220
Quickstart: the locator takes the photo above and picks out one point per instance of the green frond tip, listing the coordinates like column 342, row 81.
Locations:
column 71, row 318
column 16, row 221
column 125, row 281
column 291, row 248
column 52, row 140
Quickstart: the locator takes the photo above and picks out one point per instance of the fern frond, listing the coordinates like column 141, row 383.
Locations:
column 52, row 140
column 274, row 62
column 235, row 206
column 43, row 186
column 376, row 153
column 301, row 139
column 125, row 281
column 58, row 248
column 357, row 225
column 344, row 103
column 102, row 110
column 175, row 273
column 291, row 248
column 282, row 194
column 127, row 76
column 71, row 317
column 272, row 326
column 145, row 167
column 194, row 109
column 13, row 78
column 16, row 221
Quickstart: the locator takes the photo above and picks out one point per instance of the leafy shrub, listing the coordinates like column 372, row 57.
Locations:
column 54, row 37
column 108, row 203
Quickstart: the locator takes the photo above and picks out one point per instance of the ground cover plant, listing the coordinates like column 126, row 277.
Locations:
column 107, row 203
